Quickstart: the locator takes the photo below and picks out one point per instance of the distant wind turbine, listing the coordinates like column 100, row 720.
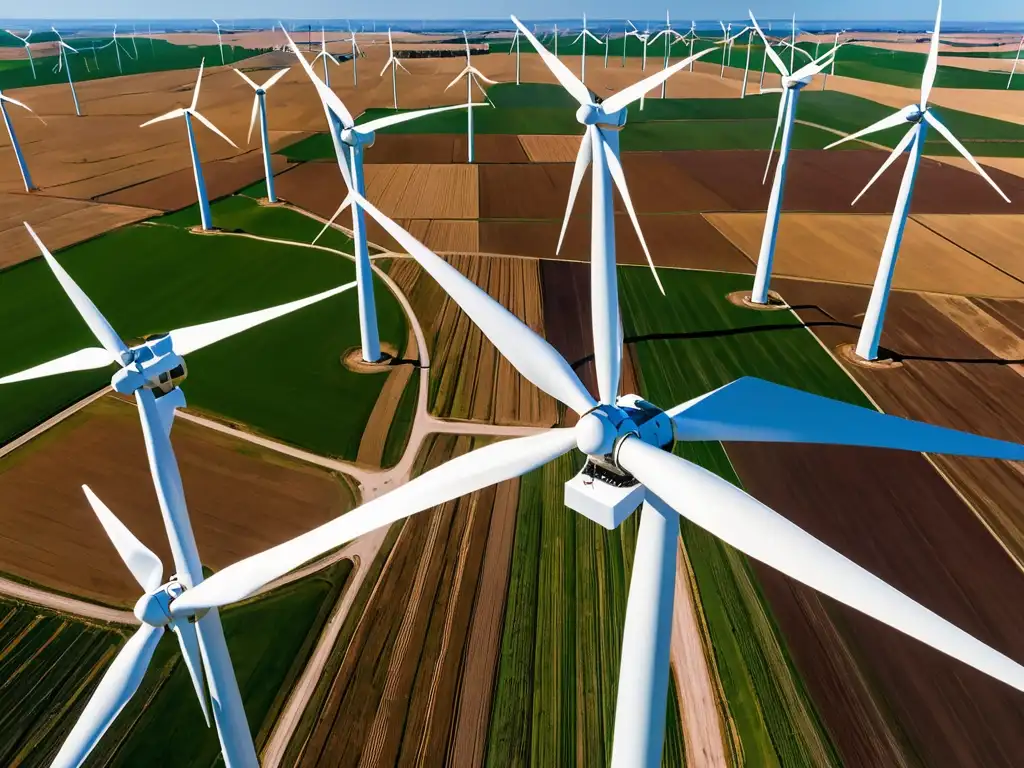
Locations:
column 118, row 47
column 355, row 56
column 472, row 75
column 394, row 64
column 28, row 49
column 259, row 106
column 220, row 41
column 515, row 44
column 323, row 54
column 583, row 54
column 1008, row 82
column 22, row 165
column 62, row 61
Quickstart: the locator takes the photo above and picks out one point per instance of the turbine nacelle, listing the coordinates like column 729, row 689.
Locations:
column 354, row 138
column 592, row 114
column 153, row 365
column 154, row 608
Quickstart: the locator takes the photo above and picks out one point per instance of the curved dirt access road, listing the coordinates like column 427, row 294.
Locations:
column 64, row 603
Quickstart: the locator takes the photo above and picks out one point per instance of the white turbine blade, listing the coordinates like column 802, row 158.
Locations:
column 327, row 96
column 458, row 77
column 897, row 151
column 931, row 67
column 276, row 76
column 783, row 100
column 245, row 77
column 143, row 564
column 728, row 513
column 893, row 120
column 167, row 116
column 87, row 359
column 583, row 157
column 759, row 411
column 615, row 170
column 480, row 75
column 188, row 641
column 119, row 684
column 948, row 135
column 577, row 38
column 186, row 340
column 590, row 34
column 319, row 56
column 562, row 73
column 386, row 65
column 97, row 323
column 401, row 66
column 213, row 128
column 199, row 82
column 330, row 222
column 404, row 117
column 627, row 96
column 332, row 58
column 457, row 477
column 776, row 59
column 482, row 91
column 252, row 118
column 797, row 49
column 529, row 353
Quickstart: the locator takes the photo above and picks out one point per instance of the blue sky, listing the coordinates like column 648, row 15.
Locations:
column 954, row 10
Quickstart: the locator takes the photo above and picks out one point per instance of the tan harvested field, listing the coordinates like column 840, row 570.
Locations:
column 846, row 249
column 423, row 191
column 445, row 235
column 58, row 221
column 551, row 149
column 1001, row 340
column 241, row 500
column 981, row 65
column 999, row 240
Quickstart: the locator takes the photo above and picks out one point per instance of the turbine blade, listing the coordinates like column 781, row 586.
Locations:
column 143, row 564
column 167, row 116
column 404, row 117
column 188, row 641
column 252, row 118
column 529, row 353
column 330, row 222
column 245, row 77
column 583, row 158
column 627, row 96
column 728, row 513
column 569, row 81
column 199, row 83
column 193, row 337
column 577, row 39
column 590, row 34
column 401, row 66
column 386, row 65
column 118, row 685
column 87, row 359
column 893, row 120
column 615, row 169
column 97, row 323
column 458, row 477
column 783, row 100
column 948, row 136
column 775, row 58
column 213, row 128
column 457, row 78
column 327, row 96
column 276, row 76
column 480, row 75
column 931, row 67
column 897, row 151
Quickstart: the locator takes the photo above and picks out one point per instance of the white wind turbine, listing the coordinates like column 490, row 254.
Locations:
column 349, row 142
column 670, row 36
column 832, row 69
column 473, row 76
column 220, row 41
column 323, row 54
column 625, row 38
column 355, row 55
column 920, row 117
column 394, row 63
column 746, row 67
column 118, row 47
column 135, row 46
column 259, row 105
column 789, row 93
column 627, row 444
column 645, row 38
column 22, row 165
column 583, row 53
column 515, row 44
column 1016, row 59
column 151, row 373
column 556, row 40
column 605, row 44
column 197, row 168
column 725, row 43
column 28, row 49
column 62, row 61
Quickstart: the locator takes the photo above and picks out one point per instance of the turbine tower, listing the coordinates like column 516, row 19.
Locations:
column 151, row 373
column 1009, row 82
column 515, row 44
column 632, row 440
column 790, row 91
column 394, row 64
column 62, row 61
column 349, row 141
column 118, row 47
column 220, row 42
column 323, row 54
column 725, row 44
column 28, row 49
column 22, row 165
column 259, row 105
column 473, row 76
column 583, row 53
column 197, row 169
column 920, row 118
column 355, row 56
column 832, row 69
column 746, row 67
column 670, row 36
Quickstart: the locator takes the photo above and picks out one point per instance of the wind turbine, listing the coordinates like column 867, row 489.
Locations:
column 323, row 54
column 197, row 168
column 62, row 61
column 28, row 50
column 693, row 38
column 670, row 36
column 832, row 69
column 118, row 47
column 151, row 373
column 394, row 64
column 645, row 37
column 1008, row 82
column 625, row 39
column 920, row 118
column 515, row 44
column 259, row 105
column 788, row 95
column 746, row 67
column 556, row 41
column 349, row 141
column 135, row 46
column 220, row 42
column 604, row 43
column 472, row 75
column 355, row 55
column 631, row 440
column 583, row 54
column 22, row 165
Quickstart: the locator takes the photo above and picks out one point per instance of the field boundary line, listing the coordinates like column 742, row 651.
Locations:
column 967, row 250
column 51, row 422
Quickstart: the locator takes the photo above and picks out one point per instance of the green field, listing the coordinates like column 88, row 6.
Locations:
column 720, row 134
column 154, row 56
column 47, row 665
column 151, row 278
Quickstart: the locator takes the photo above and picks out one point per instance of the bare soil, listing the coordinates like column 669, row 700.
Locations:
column 994, row 239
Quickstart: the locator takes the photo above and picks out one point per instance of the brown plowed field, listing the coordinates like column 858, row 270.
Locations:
column 59, row 223
column 424, row 191
column 995, row 239
column 550, row 149
column 315, row 187
column 1012, row 165
column 241, row 500
column 683, row 240
column 846, row 249
column 444, row 148
column 443, row 235
column 178, row 190
column 404, row 693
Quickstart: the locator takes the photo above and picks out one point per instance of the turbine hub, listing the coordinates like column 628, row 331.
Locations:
column 154, row 608
column 916, row 117
column 592, row 114
column 354, row 138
